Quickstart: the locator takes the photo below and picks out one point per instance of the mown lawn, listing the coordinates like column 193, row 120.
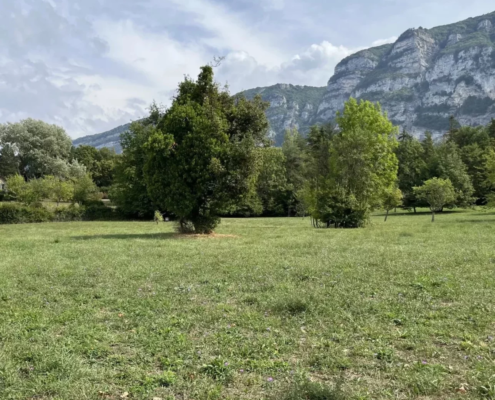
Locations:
column 398, row 310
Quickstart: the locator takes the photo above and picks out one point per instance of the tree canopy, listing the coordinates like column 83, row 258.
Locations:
column 200, row 155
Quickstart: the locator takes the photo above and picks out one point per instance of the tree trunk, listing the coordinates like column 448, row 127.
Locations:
column 433, row 216
column 395, row 211
column 414, row 208
column 386, row 216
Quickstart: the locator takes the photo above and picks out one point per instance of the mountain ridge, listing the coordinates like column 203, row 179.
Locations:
column 420, row 80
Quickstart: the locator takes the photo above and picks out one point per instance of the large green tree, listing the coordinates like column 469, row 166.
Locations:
column 201, row 155
column 293, row 148
column 38, row 148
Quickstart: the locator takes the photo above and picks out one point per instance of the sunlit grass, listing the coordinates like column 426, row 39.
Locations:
column 401, row 309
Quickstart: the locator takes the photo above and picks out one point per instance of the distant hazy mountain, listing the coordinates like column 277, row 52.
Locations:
column 110, row 139
column 422, row 79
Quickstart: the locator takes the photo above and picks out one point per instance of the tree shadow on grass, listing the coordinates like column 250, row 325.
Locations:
column 123, row 236
column 417, row 214
column 472, row 221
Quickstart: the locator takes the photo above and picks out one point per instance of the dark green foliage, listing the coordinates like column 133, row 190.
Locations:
column 66, row 214
column 9, row 162
column 100, row 212
column 467, row 79
column 491, row 129
column 412, row 167
column 200, row 156
column 449, row 165
column 129, row 192
column 476, row 39
column 100, row 164
column 476, row 106
column 437, row 108
column 431, row 121
column 294, row 151
column 12, row 213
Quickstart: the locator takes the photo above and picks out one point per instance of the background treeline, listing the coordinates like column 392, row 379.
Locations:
column 47, row 179
column 208, row 156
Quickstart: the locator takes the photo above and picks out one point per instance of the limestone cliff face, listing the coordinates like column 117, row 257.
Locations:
column 290, row 106
column 424, row 77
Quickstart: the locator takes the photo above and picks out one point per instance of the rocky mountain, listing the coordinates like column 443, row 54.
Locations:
column 290, row 106
column 422, row 79
column 110, row 139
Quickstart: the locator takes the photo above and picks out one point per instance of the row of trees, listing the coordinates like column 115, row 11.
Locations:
column 80, row 190
column 208, row 155
column 34, row 149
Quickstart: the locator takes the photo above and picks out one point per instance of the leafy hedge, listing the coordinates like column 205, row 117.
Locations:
column 14, row 213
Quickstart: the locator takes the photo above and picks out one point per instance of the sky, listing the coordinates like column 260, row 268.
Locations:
column 91, row 65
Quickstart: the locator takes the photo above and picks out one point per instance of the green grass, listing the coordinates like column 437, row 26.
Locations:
column 398, row 310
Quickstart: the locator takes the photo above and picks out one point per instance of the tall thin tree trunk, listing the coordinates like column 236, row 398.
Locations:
column 414, row 208
column 386, row 216
column 433, row 216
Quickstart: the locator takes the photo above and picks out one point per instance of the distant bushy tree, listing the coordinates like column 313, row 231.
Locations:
column 99, row 163
column 200, row 157
column 85, row 190
column 449, row 165
column 392, row 198
column 58, row 190
column 363, row 164
column 35, row 148
column 438, row 193
column 28, row 193
column 129, row 192
column 412, row 168
column 293, row 149
column 271, row 184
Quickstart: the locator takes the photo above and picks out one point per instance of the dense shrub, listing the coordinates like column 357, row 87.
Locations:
column 100, row 212
column 71, row 213
column 12, row 213
column 15, row 213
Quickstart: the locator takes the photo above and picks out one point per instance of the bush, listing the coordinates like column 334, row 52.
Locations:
column 97, row 211
column 66, row 214
column 14, row 213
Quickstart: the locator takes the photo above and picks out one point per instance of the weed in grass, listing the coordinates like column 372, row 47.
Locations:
column 306, row 390
column 219, row 370
column 292, row 306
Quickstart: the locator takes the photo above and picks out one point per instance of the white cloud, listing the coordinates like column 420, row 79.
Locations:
column 90, row 67
column 381, row 42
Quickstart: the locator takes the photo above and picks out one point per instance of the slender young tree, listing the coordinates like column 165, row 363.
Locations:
column 438, row 193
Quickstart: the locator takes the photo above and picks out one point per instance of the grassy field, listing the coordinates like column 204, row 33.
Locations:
column 399, row 310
